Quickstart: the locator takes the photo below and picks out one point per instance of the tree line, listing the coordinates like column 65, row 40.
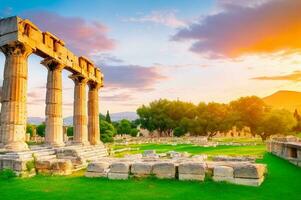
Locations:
column 207, row 119
column 108, row 129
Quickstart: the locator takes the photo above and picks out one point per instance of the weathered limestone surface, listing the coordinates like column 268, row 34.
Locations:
column 54, row 120
column 141, row 169
column 223, row 173
column 120, row 167
column 191, row 171
column 80, row 120
column 93, row 112
column 55, row 166
column 98, row 167
column 164, row 170
column 254, row 171
column 14, row 91
column 288, row 148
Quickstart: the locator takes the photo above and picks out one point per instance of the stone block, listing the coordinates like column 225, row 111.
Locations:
column 120, row 167
column 141, row 169
column 62, row 167
column 118, row 176
column 249, row 171
column 7, row 164
column 223, row 178
column 223, row 171
column 248, row 182
column 99, row 167
column 192, row 168
column 20, row 165
column 164, row 170
column 96, row 174
column 191, row 177
column 43, row 164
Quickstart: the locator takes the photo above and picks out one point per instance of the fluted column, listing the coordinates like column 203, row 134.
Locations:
column 80, row 120
column 14, row 91
column 93, row 114
column 54, row 121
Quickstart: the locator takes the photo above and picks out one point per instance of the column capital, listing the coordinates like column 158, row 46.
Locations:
column 94, row 85
column 78, row 79
column 52, row 64
column 17, row 49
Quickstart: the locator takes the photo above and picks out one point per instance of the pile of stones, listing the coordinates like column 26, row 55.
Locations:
column 183, row 168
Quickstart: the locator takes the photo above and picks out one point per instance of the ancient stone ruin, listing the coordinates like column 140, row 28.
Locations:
column 288, row 148
column 19, row 39
column 179, row 166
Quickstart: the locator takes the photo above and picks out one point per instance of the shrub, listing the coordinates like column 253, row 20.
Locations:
column 30, row 165
column 179, row 131
column 41, row 130
column 134, row 132
column 70, row 131
column 107, row 136
column 7, row 174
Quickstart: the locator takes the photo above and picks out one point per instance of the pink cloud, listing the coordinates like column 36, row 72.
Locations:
column 82, row 36
column 132, row 76
column 263, row 27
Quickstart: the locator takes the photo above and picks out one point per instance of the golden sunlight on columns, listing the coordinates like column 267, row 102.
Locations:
column 93, row 114
column 54, row 120
column 80, row 110
column 14, row 91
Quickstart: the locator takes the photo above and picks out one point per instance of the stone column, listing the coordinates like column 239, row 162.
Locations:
column 93, row 114
column 14, row 91
column 80, row 121
column 54, row 121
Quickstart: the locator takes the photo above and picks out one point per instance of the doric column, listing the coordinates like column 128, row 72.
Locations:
column 14, row 91
column 54, row 121
column 80, row 121
column 93, row 114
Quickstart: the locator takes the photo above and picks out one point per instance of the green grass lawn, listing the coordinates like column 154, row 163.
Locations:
column 283, row 182
column 251, row 150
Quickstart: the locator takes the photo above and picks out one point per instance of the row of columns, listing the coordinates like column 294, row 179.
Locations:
column 14, row 113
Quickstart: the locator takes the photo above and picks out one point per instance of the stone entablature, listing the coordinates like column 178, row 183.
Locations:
column 288, row 148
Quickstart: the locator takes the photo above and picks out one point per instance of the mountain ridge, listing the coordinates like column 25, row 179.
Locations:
column 284, row 99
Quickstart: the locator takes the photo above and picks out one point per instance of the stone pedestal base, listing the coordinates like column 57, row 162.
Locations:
column 16, row 146
column 87, row 143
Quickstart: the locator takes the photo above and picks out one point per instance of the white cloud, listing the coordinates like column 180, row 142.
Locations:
column 166, row 18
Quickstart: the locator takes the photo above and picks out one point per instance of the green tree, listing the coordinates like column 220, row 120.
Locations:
column 124, row 127
column 108, row 118
column 134, row 132
column 276, row 122
column 30, row 128
column 179, row 131
column 107, row 131
column 70, row 131
column 249, row 111
column 41, row 130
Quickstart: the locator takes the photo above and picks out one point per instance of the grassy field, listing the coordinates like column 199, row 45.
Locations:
column 283, row 182
column 252, row 150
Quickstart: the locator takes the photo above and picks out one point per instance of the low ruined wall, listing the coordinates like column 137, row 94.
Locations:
column 288, row 148
column 185, row 169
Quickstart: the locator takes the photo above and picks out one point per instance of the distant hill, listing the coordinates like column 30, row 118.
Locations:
column 124, row 115
column 289, row 100
column 35, row 120
column 114, row 117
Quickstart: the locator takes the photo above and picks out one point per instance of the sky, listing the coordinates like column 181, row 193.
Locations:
column 197, row 50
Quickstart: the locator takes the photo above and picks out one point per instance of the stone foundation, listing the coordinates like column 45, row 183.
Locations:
column 190, row 169
column 288, row 148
